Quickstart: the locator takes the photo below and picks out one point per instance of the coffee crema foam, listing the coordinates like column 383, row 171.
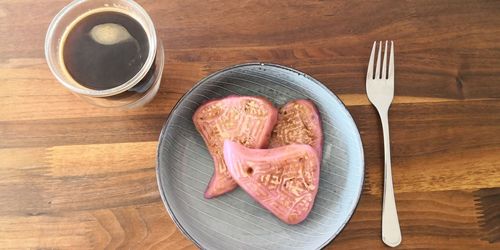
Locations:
column 109, row 34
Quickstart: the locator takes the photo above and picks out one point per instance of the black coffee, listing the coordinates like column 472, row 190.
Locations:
column 105, row 50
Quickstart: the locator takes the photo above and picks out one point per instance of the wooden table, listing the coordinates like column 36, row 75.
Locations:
column 75, row 176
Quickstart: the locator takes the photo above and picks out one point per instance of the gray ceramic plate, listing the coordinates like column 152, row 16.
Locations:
column 235, row 220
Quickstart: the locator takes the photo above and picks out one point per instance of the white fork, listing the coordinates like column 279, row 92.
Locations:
column 380, row 91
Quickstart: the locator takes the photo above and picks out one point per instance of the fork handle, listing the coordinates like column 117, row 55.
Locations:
column 391, row 233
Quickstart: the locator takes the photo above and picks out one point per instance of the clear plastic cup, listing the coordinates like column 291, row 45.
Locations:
column 138, row 90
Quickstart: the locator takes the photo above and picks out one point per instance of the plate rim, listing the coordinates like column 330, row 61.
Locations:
column 198, row 84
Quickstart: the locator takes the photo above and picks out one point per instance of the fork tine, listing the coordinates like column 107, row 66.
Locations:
column 384, row 64
column 369, row 73
column 391, row 62
column 377, row 67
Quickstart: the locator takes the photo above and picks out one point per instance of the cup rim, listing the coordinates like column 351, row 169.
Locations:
column 49, row 40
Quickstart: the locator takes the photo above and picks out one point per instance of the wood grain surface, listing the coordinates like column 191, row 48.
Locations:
column 78, row 177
